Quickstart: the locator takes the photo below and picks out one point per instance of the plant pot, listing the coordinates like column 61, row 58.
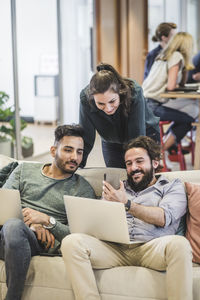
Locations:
column 26, row 152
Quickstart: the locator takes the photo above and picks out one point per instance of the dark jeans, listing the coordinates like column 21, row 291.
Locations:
column 181, row 121
column 18, row 244
column 113, row 153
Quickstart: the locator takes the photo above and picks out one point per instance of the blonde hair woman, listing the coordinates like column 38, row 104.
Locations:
column 169, row 71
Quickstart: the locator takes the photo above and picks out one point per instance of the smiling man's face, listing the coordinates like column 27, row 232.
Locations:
column 140, row 168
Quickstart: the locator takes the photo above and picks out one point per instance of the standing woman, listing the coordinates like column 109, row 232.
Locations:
column 168, row 71
column 116, row 108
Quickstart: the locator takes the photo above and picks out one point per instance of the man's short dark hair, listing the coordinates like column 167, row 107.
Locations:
column 153, row 149
column 68, row 130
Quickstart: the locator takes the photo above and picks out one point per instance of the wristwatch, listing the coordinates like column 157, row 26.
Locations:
column 127, row 205
column 52, row 223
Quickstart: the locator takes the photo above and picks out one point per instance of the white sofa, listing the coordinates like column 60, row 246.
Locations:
column 47, row 278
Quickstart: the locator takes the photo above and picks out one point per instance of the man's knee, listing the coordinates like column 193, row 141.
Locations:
column 180, row 246
column 73, row 243
column 12, row 232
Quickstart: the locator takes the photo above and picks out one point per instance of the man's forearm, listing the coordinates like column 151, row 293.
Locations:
column 60, row 231
column 151, row 215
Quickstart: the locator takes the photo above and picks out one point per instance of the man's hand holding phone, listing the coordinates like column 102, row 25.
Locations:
column 113, row 192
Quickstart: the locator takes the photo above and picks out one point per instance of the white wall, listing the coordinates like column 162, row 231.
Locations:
column 37, row 50
column 161, row 11
column 182, row 12
column 37, row 39
column 6, row 77
column 76, row 20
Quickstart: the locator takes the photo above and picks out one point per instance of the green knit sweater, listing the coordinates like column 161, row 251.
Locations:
column 45, row 194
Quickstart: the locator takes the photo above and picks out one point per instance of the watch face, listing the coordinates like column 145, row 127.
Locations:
column 52, row 221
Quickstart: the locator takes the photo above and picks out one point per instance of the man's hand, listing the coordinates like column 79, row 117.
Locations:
column 43, row 235
column 32, row 216
column 110, row 194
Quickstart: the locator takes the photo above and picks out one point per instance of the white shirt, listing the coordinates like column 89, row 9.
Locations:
column 156, row 82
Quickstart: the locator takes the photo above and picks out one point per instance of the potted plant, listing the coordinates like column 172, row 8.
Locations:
column 7, row 130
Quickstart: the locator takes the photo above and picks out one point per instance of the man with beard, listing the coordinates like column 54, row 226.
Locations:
column 154, row 208
column 41, row 190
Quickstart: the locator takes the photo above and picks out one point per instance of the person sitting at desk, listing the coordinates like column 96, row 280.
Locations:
column 163, row 34
column 168, row 71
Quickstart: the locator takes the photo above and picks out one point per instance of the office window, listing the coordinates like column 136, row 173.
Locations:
column 182, row 12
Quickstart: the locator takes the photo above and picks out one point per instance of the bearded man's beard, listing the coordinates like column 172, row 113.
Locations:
column 64, row 166
column 143, row 183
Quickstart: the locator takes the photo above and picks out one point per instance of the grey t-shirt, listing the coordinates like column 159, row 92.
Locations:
column 45, row 194
column 169, row 195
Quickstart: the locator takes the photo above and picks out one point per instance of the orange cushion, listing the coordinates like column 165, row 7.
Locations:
column 193, row 219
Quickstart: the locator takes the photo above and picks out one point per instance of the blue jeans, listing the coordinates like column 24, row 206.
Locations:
column 18, row 244
column 182, row 123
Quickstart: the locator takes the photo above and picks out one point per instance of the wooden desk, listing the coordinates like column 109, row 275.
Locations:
column 191, row 95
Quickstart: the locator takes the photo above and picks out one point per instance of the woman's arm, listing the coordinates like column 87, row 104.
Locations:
column 89, row 130
column 184, row 77
column 172, row 77
column 136, row 119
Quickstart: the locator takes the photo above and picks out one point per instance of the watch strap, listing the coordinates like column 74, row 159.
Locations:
column 127, row 205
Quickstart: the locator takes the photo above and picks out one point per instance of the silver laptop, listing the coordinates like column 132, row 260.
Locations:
column 10, row 205
column 102, row 219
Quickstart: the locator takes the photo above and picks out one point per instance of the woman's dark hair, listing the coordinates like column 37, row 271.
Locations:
column 107, row 78
column 153, row 149
column 68, row 130
column 163, row 29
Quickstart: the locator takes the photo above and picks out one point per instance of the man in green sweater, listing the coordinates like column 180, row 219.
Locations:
column 41, row 189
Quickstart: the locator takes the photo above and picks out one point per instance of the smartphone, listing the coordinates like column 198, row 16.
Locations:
column 113, row 179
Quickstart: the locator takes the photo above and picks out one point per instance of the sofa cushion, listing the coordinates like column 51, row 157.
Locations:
column 193, row 220
column 5, row 160
column 185, row 176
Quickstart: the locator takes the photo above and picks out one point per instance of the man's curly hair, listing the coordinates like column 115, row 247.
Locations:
column 153, row 149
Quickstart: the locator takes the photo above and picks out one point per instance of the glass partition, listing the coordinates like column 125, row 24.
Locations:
column 38, row 66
